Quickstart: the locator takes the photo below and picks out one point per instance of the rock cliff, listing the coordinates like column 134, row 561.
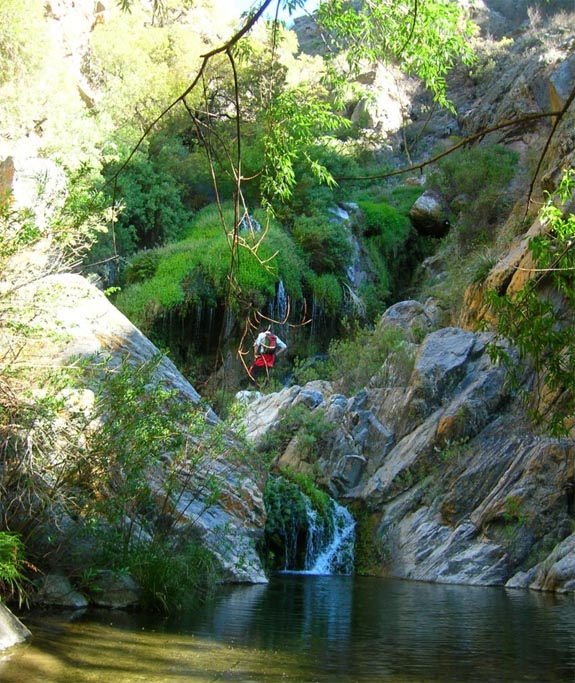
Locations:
column 78, row 324
column 457, row 485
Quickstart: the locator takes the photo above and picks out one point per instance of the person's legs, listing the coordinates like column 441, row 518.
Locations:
column 258, row 374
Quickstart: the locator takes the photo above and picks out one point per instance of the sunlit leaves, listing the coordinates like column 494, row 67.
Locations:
column 19, row 21
column 426, row 37
column 297, row 120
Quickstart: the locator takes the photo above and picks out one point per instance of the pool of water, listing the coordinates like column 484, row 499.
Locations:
column 312, row 629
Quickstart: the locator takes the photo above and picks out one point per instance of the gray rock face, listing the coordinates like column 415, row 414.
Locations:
column 459, row 486
column 79, row 321
column 12, row 630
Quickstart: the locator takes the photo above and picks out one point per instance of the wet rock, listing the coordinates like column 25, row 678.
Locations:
column 12, row 630
column 57, row 590
column 113, row 590
column 555, row 573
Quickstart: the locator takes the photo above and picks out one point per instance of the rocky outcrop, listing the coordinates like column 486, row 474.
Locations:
column 79, row 322
column 458, row 485
column 12, row 630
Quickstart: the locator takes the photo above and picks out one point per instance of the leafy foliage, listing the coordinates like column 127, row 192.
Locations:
column 475, row 177
column 367, row 352
column 172, row 578
column 538, row 319
column 153, row 211
column 18, row 54
column 428, row 38
column 297, row 118
column 13, row 568
column 385, row 234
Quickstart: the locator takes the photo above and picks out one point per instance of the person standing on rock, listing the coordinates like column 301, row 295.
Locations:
column 267, row 347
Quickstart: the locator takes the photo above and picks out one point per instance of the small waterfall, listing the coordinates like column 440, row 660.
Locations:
column 281, row 303
column 333, row 555
column 328, row 547
column 310, row 534
column 250, row 223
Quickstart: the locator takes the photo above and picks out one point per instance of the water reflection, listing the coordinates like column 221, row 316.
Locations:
column 301, row 629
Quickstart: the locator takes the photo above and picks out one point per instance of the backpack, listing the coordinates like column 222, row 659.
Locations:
column 268, row 345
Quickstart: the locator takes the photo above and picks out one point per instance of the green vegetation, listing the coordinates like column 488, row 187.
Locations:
column 104, row 478
column 385, row 233
column 289, row 499
column 473, row 178
column 14, row 569
column 476, row 184
column 428, row 39
column 358, row 359
column 367, row 558
column 312, row 429
column 538, row 318
column 196, row 270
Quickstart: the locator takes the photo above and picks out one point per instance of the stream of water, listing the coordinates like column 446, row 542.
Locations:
column 313, row 629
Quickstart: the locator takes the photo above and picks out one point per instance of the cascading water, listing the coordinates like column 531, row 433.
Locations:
column 309, row 534
column 250, row 223
column 329, row 546
column 281, row 303
column 334, row 554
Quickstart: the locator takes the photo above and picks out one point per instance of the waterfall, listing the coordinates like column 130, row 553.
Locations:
column 328, row 547
column 281, row 303
column 311, row 534
column 332, row 555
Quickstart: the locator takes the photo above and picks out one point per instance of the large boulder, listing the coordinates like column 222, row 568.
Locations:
column 429, row 215
column 78, row 322
column 57, row 590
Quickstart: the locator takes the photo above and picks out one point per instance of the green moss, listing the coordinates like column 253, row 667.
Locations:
column 327, row 292
column 288, row 499
column 197, row 270
column 367, row 560
column 385, row 226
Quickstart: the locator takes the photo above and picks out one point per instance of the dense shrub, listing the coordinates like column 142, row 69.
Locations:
column 197, row 270
column 325, row 245
column 153, row 211
column 382, row 351
column 478, row 178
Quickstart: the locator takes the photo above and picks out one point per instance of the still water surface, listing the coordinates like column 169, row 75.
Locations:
column 312, row 629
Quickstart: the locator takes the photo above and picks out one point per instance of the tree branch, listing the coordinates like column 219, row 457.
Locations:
column 225, row 47
column 472, row 138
